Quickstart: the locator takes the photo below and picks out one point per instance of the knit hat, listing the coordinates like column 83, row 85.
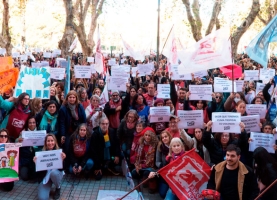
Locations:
column 115, row 91
column 159, row 100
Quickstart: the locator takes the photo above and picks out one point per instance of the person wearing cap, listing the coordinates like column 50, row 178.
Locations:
column 232, row 179
column 112, row 109
column 173, row 127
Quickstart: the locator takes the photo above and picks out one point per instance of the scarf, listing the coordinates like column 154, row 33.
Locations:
column 140, row 107
column 175, row 156
column 46, row 125
column 25, row 109
column 73, row 112
column 107, row 155
column 149, row 155
column 130, row 125
column 164, row 149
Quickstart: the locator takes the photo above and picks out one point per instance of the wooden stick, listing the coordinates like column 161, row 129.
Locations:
column 261, row 194
column 166, row 39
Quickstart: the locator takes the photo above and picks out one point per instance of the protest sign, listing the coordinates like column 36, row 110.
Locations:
column 145, row 69
column 47, row 54
column 112, row 62
column 251, row 123
column 82, row 71
column 199, row 74
column 3, row 51
column 9, row 154
column 224, row 85
column 6, row 63
column 134, row 71
column 90, row 59
column 117, row 194
column 34, row 81
column 44, row 64
column 226, row 122
column 59, row 60
column 63, row 63
column 259, row 87
column 49, row 160
column 256, row 109
column 175, row 73
column 251, row 75
column 120, row 71
column 36, row 65
column 33, row 138
column 8, row 78
column 200, row 92
column 118, row 83
column 250, row 96
column 57, row 73
column 159, row 114
column 15, row 54
column 92, row 68
column 187, row 176
column 190, row 119
column 265, row 140
column 57, row 52
column 239, row 85
column 267, row 74
column 122, row 61
column 163, row 91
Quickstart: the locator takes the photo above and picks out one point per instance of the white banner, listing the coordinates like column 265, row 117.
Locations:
column 134, row 71
column 251, row 123
column 239, row 85
column 145, row 69
column 223, row 85
column 117, row 83
column 57, row 73
column 159, row 114
column 163, row 91
column 82, row 71
column 47, row 54
column 33, row 138
column 112, row 62
column 251, row 75
column 267, row 74
column 201, row 92
column 256, row 109
column 190, row 119
column 265, row 140
column 226, row 122
column 199, row 74
column 49, row 160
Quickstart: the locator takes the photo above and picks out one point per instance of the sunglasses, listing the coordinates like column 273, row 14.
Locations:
column 3, row 136
column 218, row 97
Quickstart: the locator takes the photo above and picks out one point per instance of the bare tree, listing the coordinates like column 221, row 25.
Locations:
column 5, row 37
column 270, row 11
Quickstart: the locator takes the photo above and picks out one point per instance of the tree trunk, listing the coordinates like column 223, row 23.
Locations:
column 5, row 38
column 80, row 30
column 214, row 18
column 245, row 25
column 68, row 35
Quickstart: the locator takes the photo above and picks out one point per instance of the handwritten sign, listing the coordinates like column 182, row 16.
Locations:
column 226, row 122
column 256, row 109
column 200, row 92
column 33, row 138
column 251, row 123
column 159, row 114
column 251, row 75
column 49, row 160
column 190, row 119
column 163, row 91
column 82, row 71
column 199, row 74
column 47, row 54
column 262, row 140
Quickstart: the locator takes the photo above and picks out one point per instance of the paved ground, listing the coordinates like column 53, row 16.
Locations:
column 73, row 189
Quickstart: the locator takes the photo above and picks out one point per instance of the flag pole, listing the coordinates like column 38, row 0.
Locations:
column 262, row 193
column 167, row 38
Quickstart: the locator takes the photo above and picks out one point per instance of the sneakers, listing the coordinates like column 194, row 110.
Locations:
column 57, row 194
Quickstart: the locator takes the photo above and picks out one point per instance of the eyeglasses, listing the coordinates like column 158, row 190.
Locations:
column 3, row 136
column 218, row 97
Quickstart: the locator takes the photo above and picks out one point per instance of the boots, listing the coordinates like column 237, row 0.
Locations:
column 152, row 185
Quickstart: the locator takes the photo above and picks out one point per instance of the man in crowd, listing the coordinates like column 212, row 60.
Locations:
column 150, row 95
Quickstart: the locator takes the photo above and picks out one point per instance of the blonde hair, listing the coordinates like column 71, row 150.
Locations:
column 178, row 141
column 45, row 141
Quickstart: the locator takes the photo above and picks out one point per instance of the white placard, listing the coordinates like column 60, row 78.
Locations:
column 82, row 71
column 112, row 62
column 199, row 74
column 23, row 57
column 265, row 140
column 3, row 51
column 49, row 160
column 259, row 87
column 15, row 54
column 175, row 73
column 57, row 52
column 134, row 71
column 59, row 60
column 44, row 64
column 190, row 119
column 117, row 83
column 159, row 114
column 57, row 73
column 200, row 92
column 33, row 138
column 256, row 109
column 163, row 91
column 122, row 61
column 120, row 71
column 251, row 75
column 145, row 69
column 239, row 85
column 267, row 74
column 92, row 69
column 251, row 123
column 90, row 59
column 223, row 85
column 47, row 54
column 36, row 65
column 226, row 122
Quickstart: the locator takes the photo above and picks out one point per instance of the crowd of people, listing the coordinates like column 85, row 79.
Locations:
column 96, row 136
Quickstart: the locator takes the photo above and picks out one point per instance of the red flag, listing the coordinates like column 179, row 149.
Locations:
column 227, row 70
column 187, row 176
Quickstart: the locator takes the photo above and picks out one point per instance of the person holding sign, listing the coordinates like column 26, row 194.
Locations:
column 4, row 138
column 49, row 177
column 232, row 100
column 140, row 105
column 217, row 104
column 128, row 100
column 158, row 126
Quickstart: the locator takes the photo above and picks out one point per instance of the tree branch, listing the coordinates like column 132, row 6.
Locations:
column 261, row 19
column 214, row 18
column 195, row 9
column 100, row 7
column 86, row 8
column 217, row 23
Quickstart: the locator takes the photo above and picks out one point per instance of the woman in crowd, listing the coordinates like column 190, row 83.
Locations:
column 36, row 106
column 158, row 126
column 265, row 168
column 94, row 112
column 49, row 177
column 232, row 100
column 168, row 102
column 83, row 97
column 54, row 95
column 126, row 130
column 145, row 158
column 140, row 105
column 241, row 108
column 78, row 151
column 217, row 104
column 128, row 100
column 47, row 118
column 4, row 138
column 27, row 167
column 97, row 91
column 17, row 115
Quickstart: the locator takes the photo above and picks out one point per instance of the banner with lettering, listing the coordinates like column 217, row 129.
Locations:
column 6, row 63
column 34, row 81
column 8, row 78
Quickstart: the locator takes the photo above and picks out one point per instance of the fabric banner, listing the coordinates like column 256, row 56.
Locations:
column 8, row 78
column 187, row 176
column 34, row 81
column 9, row 154
column 6, row 63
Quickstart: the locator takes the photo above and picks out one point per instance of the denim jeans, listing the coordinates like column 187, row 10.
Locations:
column 88, row 166
column 170, row 195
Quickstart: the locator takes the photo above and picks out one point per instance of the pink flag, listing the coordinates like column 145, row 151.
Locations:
column 73, row 45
